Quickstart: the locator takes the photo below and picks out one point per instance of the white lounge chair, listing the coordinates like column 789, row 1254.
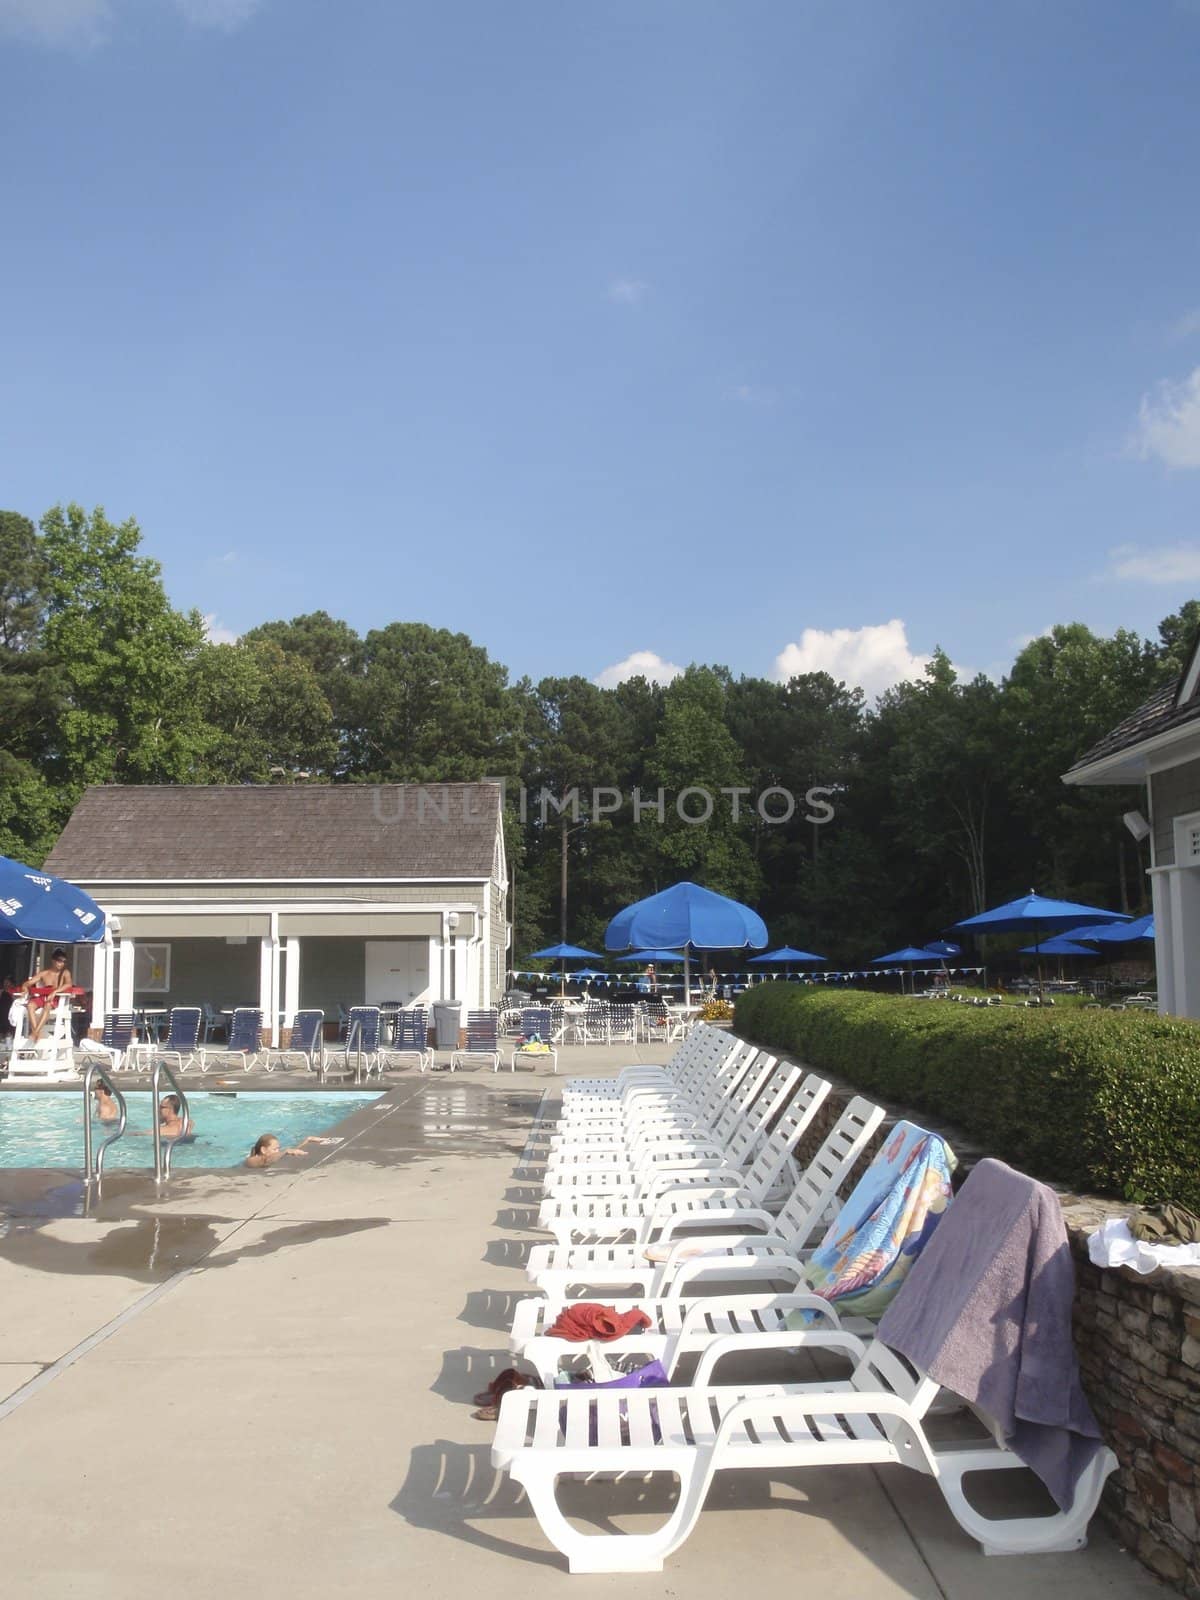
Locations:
column 596, row 1218
column 875, row 1416
column 668, row 1148
column 773, row 1243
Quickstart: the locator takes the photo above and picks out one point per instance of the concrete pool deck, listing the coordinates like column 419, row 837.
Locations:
column 264, row 1380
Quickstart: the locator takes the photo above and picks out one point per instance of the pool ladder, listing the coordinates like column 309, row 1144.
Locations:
column 93, row 1169
column 93, row 1163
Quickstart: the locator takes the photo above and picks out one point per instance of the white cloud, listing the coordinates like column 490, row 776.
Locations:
column 755, row 394
column 641, row 664
column 224, row 14
column 1169, row 423
column 627, row 291
column 874, row 657
column 86, row 23
column 61, row 22
column 216, row 632
column 1171, row 563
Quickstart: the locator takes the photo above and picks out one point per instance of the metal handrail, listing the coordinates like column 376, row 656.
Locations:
column 93, row 1071
column 162, row 1157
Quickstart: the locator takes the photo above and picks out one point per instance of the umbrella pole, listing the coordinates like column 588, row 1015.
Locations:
column 687, row 977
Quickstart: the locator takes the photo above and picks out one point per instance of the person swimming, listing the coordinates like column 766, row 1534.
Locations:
column 266, row 1149
column 105, row 1105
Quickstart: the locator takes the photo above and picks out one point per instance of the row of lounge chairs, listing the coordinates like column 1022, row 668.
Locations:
column 680, row 1183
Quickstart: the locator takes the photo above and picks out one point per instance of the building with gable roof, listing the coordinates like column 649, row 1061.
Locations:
column 290, row 896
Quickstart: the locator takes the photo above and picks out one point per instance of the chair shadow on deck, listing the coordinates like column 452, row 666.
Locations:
column 468, row 1370
column 453, row 1489
column 508, row 1252
column 516, row 1217
column 493, row 1308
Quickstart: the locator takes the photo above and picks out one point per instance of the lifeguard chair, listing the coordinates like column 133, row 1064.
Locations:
column 50, row 1059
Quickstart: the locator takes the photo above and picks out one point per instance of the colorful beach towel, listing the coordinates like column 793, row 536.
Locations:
column 884, row 1225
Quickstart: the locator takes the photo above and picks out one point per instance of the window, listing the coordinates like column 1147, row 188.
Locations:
column 151, row 968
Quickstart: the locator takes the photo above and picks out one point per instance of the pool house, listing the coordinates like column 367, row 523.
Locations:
column 284, row 897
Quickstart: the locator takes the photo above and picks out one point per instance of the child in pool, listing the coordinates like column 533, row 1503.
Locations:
column 105, row 1106
column 266, row 1150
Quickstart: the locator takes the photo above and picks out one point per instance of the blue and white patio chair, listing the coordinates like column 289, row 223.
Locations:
column 243, row 1044
column 115, row 1041
column 213, row 1022
column 410, row 1041
column 305, row 1043
column 359, row 1053
column 482, row 1041
column 537, row 1027
column 622, row 1024
column 178, row 1049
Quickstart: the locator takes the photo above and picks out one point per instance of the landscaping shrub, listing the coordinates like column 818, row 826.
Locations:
column 1105, row 1102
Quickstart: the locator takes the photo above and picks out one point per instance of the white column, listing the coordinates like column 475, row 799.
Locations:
column 102, row 966
column 125, row 975
column 1160, row 894
column 291, row 980
column 268, row 983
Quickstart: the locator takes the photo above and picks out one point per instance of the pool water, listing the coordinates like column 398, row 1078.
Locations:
column 46, row 1130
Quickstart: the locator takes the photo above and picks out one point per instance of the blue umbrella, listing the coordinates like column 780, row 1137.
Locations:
column 1060, row 945
column 36, row 906
column 943, row 947
column 1116, row 932
column 908, row 957
column 786, row 958
column 658, row 956
column 905, row 957
column 1033, row 913
column 564, row 953
column 689, row 916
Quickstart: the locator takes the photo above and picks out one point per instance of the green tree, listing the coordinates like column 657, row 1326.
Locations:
column 264, row 716
column 434, row 708
column 694, row 750
column 121, row 653
column 334, row 653
column 1066, row 689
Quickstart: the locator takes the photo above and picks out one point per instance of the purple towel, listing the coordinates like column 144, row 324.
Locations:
column 986, row 1312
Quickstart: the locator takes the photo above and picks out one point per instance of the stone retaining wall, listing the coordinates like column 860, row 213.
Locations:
column 1138, row 1340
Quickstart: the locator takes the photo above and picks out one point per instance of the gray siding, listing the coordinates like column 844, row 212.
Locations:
column 280, row 894
column 1174, row 793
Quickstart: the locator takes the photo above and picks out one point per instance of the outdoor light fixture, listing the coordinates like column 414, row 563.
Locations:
column 1137, row 825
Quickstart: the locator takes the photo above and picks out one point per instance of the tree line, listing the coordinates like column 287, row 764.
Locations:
column 851, row 827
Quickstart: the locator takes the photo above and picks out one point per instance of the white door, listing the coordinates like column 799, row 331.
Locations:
column 397, row 969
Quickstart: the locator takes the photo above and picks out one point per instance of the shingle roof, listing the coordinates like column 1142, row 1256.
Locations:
column 1156, row 716
column 337, row 831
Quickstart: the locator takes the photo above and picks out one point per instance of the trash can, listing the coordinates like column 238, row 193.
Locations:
column 446, row 1016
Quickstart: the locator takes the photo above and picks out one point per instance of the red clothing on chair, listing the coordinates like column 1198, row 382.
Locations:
column 588, row 1321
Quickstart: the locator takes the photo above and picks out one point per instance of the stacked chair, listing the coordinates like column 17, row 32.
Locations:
column 673, row 1192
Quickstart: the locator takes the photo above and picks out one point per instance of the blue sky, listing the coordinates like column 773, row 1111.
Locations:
column 782, row 335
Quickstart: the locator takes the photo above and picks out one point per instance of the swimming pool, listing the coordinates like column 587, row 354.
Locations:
column 46, row 1130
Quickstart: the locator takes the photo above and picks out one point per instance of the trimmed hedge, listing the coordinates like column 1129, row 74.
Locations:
column 1104, row 1102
